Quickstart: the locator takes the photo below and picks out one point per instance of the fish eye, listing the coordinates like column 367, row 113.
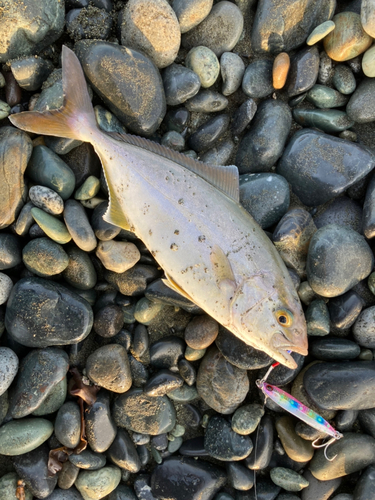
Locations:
column 284, row 318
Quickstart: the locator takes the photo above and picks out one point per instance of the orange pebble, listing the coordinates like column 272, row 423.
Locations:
column 280, row 70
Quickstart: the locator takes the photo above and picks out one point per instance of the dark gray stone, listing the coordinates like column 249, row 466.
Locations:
column 31, row 72
column 207, row 101
column 361, row 107
column 257, row 80
column 368, row 221
column 166, row 352
column 88, row 460
column 208, row 133
column 10, row 251
column 239, row 477
column 303, row 71
column 78, row 225
column 319, row 489
column 222, row 443
column 122, row 492
column 104, row 231
column 327, row 120
column 68, row 424
column 123, row 453
column 365, row 487
column 342, row 211
column 364, row 328
column 345, row 309
column 180, row 84
column 260, row 457
column 100, row 427
column 162, row 382
column 329, row 349
column 243, row 116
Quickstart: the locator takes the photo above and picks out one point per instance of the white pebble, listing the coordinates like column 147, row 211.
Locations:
column 6, row 285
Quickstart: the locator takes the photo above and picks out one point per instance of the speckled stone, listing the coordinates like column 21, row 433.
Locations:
column 68, row 424
column 367, row 19
column 232, row 71
column 205, row 64
column 288, row 479
column 151, row 26
column 348, row 39
column 257, row 80
column 54, row 400
column 368, row 62
column 361, row 107
column 246, row 419
column 88, row 460
column 222, row 443
column 109, row 367
column 8, row 368
column 6, row 285
column 207, row 101
column 220, row 30
column 343, row 79
column 100, row 427
column 94, row 485
column 201, row 332
column 21, row 436
column 303, row 71
column 324, row 97
column 8, row 487
column 44, row 257
column 317, row 318
column 46, row 199
column 180, row 84
column 190, row 13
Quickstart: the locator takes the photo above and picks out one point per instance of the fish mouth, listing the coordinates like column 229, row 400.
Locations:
column 282, row 345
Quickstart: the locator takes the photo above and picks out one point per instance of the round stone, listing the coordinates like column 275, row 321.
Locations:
column 117, row 256
column 89, row 188
column 180, row 84
column 94, row 485
column 54, row 400
column 348, row 39
column 205, row 64
column 325, row 97
column 257, row 80
column 109, row 367
column 343, row 79
column 361, row 107
column 10, row 251
column 295, row 447
column 190, row 13
column 338, row 259
column 367, row 17
column 21, row 436
column 8, row 487
column 201, row 332
column 364, row 328
column 44, row 257
column 88, row 460
column 6, row 285
column 152, row 27
column 100, row 427
column 246, row 419
column 80, row 271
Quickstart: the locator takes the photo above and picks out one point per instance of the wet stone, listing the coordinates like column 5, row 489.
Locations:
column 240, row 354
column 89, row 189
column 243, row 116
column 342, row 211
column 288, row 479
column 334, row 349
column 232, row 70
column 368, row 22
column 32, row 468
column 348, row 39
column 166, row 352
column 108, row 321
column 109, row 367
column 6, row 285
column 317, row 319
column 10, row 251
column 327, row 120
column 345, row 309
column 219, row 31
column 347, row 386
column 345, row 420
column 303, row 71
column 177, row 119
column 68, row 424
column 25, row 220
column 331, row 243
column 260, row 457
column 354, row 452
column 144, row 414
column 205, row 64
column 48, row 169
column 22, row 436
column 295, row 447
column 364, row 328
column 320, row 489
column 219, row 154
column 201, row 479
column 325, row 97
column 8, row 368
column 161, row 383
column 355, row 162
column 246, row 419
column 180, row 84
column 52, row 227
column 239, row 477
column 221, row 385
column 78, row 226
column 265, row 196
column 255, row 153
column 361, row 107
column 190, row 13
column 222, row 443
column 15, row 150
column 44, row 257
column 257, row 80
column 122, row 492
column 146, row 311
column 343, row 79
column 94, row 485
column 49, row 313
column 365, row 485
column 208, row 133
column 40, row 370
column 207, row 101
column 104, row 231
column 292, row 236
column 184, row 394
column 120, row 88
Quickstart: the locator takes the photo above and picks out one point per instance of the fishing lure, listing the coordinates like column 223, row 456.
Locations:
column 299, row 410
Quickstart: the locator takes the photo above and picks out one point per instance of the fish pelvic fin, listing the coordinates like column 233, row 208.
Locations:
column 75, row 119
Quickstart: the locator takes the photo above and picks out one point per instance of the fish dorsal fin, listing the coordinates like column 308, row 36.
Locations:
column 222, row 269
column 115, row 214
column 224, row 178
column 173, row 286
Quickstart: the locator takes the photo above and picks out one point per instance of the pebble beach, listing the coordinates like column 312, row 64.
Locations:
column 114, row 386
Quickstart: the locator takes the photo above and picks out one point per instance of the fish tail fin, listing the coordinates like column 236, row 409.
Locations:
column 75, row 119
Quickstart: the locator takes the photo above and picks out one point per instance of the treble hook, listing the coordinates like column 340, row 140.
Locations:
column 325, row 446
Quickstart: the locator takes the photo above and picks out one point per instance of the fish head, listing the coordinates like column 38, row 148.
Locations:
column 267, row 314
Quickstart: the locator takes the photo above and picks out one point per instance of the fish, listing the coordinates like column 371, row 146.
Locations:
column 189, row 216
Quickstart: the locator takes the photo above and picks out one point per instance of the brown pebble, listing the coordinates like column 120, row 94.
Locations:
column 201, row 332
column 13, row 92
column 280, row 70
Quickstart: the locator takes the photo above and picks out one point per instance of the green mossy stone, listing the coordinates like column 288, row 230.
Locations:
column 21, row 436
column 205, row 64
column 327, row 120
column 324, row 97
column 146, row 311
column 184, row 394
column 89, row 189
column 368, row 62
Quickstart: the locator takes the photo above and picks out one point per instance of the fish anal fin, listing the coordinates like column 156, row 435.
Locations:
column 115, row 214
column 170, row 283
column 224, row 178
column 222, row 269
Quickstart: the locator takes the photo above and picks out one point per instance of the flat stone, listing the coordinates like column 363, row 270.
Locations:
column 347, row 386
column 265, row 196
column 32, row 467
column 21, row 436
column 109, row 367
column 123, row 453
column 327, row 120
column 367, row 19
column 354, row 452
column 88, row 460
column 255, row 153
column 180, row 84
column 132, row 89
column 348, row 39
column 338, row 259
column 204, row 63
column 145, row 414
column 78, row 225
column 151, row 26
column 48, row 169
column 221, row 385
column 222, row 443
column 94, row 485
column 361, row 107
column 40, row 370
column 100, row 427
column 342, row 162
column 68, row 424
column 219, row 31
column 8, row 368
column 284, row 26
column 320, row 32
column 44, row 257
column 331, row 349
column 288, row 479
column 303, row 71
column 15, row 150
column 201, row 479
column 52, row 227
column 42, row 313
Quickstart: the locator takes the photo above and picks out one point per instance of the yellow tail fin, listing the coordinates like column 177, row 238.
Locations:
column 75, row 118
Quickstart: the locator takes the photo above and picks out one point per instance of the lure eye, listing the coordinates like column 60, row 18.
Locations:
column 284, row 318
column 269, row 388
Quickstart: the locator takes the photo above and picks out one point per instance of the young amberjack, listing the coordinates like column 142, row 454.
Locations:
column 188, row 215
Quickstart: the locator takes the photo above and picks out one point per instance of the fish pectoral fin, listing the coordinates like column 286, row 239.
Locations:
column 222, row 269
column 176, row 288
